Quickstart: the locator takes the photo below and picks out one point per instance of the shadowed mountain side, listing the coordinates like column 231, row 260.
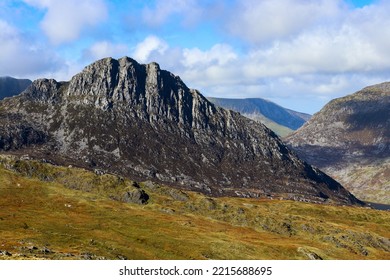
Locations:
column 11, row 86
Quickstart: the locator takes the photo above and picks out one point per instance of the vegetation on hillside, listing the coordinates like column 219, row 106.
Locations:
column 53, row 212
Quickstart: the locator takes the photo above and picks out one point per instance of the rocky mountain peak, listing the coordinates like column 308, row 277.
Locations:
column 146, row 90
column 44, row 91
column 144, row 123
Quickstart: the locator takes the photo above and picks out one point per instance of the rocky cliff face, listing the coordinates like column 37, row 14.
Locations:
column 144, row 123
column 350, row 140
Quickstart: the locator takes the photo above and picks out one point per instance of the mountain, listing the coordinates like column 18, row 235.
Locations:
column 144, row 123
column 350, row 140
column 11, row 86
column 281, row 120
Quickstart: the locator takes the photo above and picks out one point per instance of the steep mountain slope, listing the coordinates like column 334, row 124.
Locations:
column 11, row 86
column 144, row 123
column 281, row 120
column 54, row 212
column 350, row 140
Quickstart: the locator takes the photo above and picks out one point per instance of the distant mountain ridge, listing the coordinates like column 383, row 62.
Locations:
column 11, row 86
column 283, row 121
column 144, row 123
column 350, row 140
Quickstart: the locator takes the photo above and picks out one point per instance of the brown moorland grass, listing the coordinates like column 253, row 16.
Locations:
column 53, row 212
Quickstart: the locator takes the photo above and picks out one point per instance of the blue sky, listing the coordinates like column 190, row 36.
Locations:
column 297, row 53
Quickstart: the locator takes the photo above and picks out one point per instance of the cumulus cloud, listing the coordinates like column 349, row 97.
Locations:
column 103, row 49
column 322, row 51
column 149, row 46
column 219, row 54
column 22, row 57
column 356, row 45
column 64, row 21
column 259, row 21
column 215, row 66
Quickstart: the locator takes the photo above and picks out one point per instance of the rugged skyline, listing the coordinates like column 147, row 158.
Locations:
column 299, row 54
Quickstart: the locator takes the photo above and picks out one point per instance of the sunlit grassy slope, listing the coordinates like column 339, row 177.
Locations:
column 51, row 212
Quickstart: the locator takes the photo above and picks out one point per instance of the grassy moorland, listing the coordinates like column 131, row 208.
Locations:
column 53, row 212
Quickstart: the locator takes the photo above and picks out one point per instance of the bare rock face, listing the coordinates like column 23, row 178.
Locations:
column 350, row 140
column 144, row 123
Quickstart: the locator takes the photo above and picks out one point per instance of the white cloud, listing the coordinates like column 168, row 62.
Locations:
column 322, row 51
column 64, row 21
column 148, row 47
column 22, row 57
column 259, row 21
column 217, row 66
column 103, row 49
column 165, row 9
column 219, row 54
column 353, row 46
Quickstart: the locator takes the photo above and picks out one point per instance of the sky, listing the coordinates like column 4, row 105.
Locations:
column 297, row 53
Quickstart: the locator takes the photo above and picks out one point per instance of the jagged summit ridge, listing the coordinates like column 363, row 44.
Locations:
column 144, row 123
column 146, row 90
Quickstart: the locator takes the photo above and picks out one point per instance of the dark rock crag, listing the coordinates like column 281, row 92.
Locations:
column 144, row 123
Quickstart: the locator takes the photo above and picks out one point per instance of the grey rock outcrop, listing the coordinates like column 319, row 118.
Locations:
column 144, row 123
column 136, row 196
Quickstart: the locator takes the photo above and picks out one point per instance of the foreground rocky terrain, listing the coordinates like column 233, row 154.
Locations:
column 54, row 212
column 350, row 140
column 141, row 122
column 281, row 120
